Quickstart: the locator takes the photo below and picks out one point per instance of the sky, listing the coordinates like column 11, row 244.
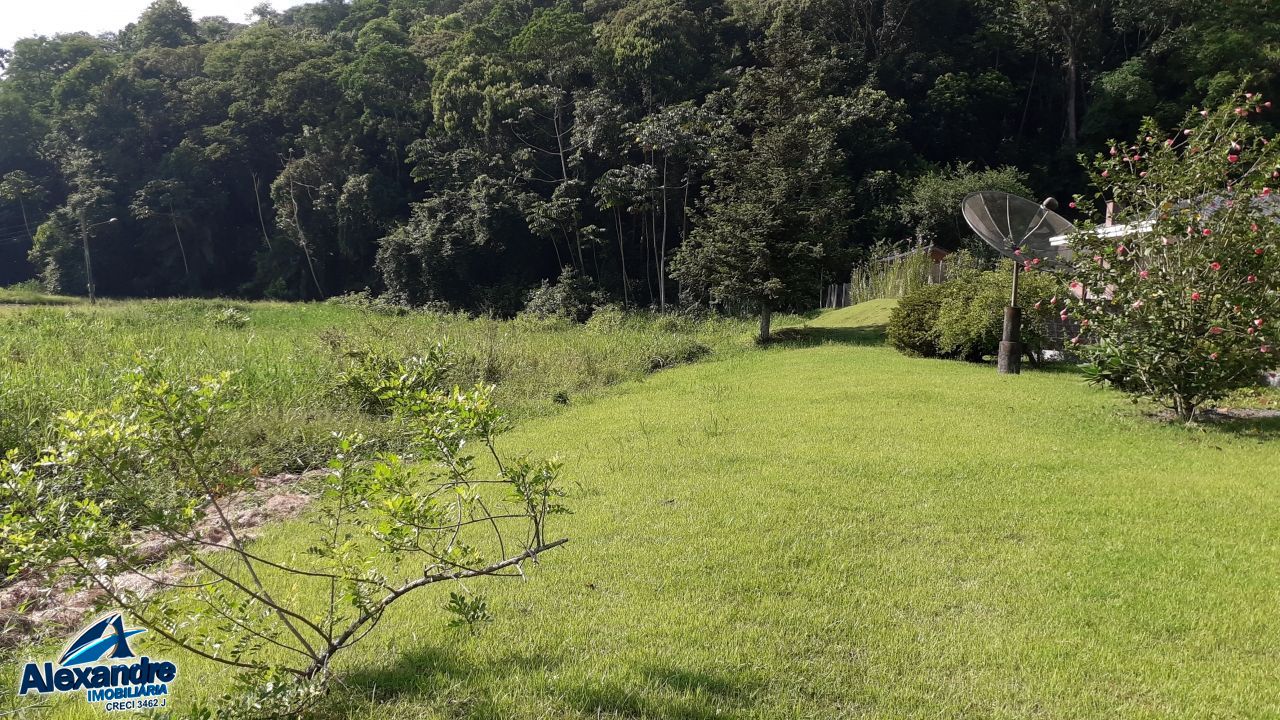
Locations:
column 24, row 18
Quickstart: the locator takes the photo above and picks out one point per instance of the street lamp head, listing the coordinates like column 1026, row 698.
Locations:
column 111, row 220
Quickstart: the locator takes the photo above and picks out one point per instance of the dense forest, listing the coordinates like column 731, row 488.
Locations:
column 463, row 151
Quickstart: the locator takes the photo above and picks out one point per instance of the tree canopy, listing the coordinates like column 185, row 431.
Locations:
column 463, row 151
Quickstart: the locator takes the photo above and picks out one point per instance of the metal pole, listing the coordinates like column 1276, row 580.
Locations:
column 88, row 262
column 1009, row 359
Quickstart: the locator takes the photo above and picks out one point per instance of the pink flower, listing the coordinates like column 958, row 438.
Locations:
column 1252, row 279
column 1195, row 296
column 1075, row 340
column 1233, row 159
column 1097, row 258
column 1204, row 113
column 1258, row 251
column 1206, row 232
column 1216, row 266
column 1137, row 304
column 1267, row 104
column 1084, row 323
column 1114, row 152
column 1037, row 305
column 1257, row 322
column 1186, row 132
column 1253, row 227
column 1213, row 356
column 1144, row 274
column 1072, row 204
column 1241, row 111
column 1121, row 249
column 1266, row 191
column 1168, row 143
column 1250, row 331
column 1018, row 252
column 1264, row 349
column 1053, row 301
column 1137, row 158
column 1215, row 330
column 1063, row 316
column 1142, row 174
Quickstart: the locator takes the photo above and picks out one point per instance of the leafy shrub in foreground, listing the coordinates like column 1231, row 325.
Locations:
column 382, row 529
column 1185, row 309
column 375, row 379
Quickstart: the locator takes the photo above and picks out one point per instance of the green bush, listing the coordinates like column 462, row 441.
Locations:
column 911, row 324
column 964, row 316
column 573, row 297
column 971, row 317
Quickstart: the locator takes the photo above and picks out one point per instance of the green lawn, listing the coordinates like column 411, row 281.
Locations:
column 835, row 530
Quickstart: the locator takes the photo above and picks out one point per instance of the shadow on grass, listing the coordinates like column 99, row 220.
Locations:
column 434, row 676
column 667, row 692
column 442, row 679
column 1054, row 368
column 1261, row 429
column 812, row 336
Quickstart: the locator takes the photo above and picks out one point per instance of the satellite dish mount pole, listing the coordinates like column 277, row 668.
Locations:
column 1009, row 359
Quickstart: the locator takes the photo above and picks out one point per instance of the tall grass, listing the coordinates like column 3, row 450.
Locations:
column 288, row 357
column 897, row 275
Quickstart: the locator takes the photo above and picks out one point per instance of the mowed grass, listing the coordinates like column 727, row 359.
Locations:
column 288, row 358
column 837, row 531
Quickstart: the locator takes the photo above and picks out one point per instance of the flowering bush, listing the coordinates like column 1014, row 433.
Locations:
column 1183, row 303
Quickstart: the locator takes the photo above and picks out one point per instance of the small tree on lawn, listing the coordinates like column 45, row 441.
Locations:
column 148, row 469
column 1184, row 307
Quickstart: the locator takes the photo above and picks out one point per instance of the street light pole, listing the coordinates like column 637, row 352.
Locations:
column 88, row 261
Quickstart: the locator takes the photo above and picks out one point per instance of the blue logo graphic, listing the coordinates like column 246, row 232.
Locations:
column 100, row 662
column 104, row 639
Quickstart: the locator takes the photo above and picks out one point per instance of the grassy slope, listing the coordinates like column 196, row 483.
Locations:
column 838, row 531
column 870, row 314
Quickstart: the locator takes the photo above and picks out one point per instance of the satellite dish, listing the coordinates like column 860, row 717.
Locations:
column 1023, row 230
column 1016, row 227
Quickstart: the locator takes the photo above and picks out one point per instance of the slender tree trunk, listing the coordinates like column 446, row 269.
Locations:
column 648, row 258
column 257, row 197
column 622, row 256
column 302, row 240
column 23, row 206
column 662, row 253
column 1072, row 81
column 564, row 178
column 186, row 269
column 766, row 319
